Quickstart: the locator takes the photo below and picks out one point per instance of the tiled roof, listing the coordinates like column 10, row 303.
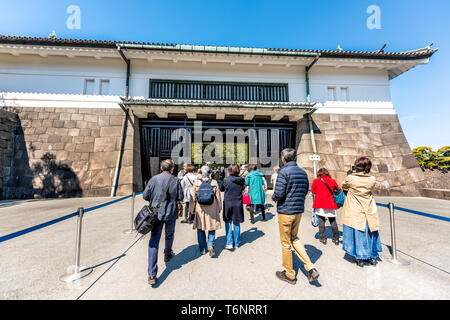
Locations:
column 406, row 55
column 251, row 104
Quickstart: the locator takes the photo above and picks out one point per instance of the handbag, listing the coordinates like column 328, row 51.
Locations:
column 339, row 197
column 148, row 216
column 314, row 218
column 246, row 196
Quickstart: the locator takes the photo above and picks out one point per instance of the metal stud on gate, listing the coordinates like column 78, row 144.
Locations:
column 77, row 272
column 393, row 258
column 131, row 230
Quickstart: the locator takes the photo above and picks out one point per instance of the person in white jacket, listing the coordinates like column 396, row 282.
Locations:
column 187, row 183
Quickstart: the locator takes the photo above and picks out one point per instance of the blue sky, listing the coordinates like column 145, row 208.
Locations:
column 421, row 96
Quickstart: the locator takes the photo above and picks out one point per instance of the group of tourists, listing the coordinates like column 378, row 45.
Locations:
column 196, row 195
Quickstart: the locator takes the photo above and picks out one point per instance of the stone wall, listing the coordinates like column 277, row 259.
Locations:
column 341, row 138
column 437, row 179
column 8, row 121
column 63, row 152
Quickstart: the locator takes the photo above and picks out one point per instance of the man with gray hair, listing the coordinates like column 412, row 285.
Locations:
column 289, row 193
column 169, row 211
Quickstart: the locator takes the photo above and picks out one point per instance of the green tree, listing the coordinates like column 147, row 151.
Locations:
column 429, row 159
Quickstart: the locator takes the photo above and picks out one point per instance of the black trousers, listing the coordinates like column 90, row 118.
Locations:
column 254, row 207
column 334, row 227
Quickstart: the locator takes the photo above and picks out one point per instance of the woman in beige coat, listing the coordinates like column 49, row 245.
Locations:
column 360, row 215
column 206, row 217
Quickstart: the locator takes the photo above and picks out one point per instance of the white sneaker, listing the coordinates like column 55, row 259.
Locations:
column 229, row 247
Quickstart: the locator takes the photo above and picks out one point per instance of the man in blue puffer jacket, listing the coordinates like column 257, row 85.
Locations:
column 290, row 192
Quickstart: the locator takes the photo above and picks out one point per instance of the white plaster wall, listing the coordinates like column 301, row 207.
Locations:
column 63, row 75
column 368, row 84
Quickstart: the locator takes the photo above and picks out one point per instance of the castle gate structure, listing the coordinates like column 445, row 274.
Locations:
column 94, row 118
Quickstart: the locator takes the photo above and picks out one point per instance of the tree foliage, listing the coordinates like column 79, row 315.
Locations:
column 429, row 159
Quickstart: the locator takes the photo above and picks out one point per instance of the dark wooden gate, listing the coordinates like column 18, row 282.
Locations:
column 157, row 145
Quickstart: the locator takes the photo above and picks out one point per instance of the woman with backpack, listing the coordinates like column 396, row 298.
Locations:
column 258, row 186
column 233, row 209
column 323, row 188
column 187, row 183
column 206, row 207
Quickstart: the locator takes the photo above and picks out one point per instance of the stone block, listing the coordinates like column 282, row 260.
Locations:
column 409, row 161
column 124, row 190
column 126, row 175
column 64, row 116
column 115, row 120
column 53, row 116
column 36, row 123
column 43, row 115
column 103, row 121
column 54, row 139
column 74, row 132
column 85, row 147
column 110, row 131
column 99, row 111
column 91, row 118
column 57, row 146
column 85, row 132
column 114, row 112
column 382, row 152
column 92, row 125
column 416, row 174
column 106, row 144
column 88, row 139
column 84, row 156
column 393, row 138
column 102, row 178
column 81, row 165
column 66, row 139
column 62, row 155
column 58, row 124
column 70, row 124
column 82, row 124
column 102, row 160
column 78, row 140
column 77, row 117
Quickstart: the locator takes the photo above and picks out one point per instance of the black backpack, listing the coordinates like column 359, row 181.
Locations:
column 148, row 216
column 205, row 193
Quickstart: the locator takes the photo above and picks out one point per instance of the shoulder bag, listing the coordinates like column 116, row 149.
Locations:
column 148, row 216
column 339, row 196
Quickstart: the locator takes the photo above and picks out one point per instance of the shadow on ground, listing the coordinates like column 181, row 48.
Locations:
column 247, row 237
column 314, row 254
column 328, row 233
column 184, row 257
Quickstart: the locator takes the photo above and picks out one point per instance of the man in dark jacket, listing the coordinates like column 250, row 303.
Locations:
column 167, row 214
column 290, row 191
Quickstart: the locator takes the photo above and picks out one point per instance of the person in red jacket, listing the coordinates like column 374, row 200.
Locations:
column 323, row 188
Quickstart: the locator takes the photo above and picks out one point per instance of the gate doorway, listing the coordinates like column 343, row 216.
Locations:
column 157, row 144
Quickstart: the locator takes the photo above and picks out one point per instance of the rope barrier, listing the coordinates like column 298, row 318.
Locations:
column 420, row 213
column 54, row 221
column 71, row 215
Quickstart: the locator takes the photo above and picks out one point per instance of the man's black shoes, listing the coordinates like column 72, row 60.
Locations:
column 168, row 256
column 282, row 276
column 359, row 263
column 313, row 275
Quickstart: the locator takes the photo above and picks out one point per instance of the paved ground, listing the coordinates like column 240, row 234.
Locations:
column 31, row 264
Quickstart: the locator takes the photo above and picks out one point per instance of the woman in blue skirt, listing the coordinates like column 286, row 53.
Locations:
column 360, row 215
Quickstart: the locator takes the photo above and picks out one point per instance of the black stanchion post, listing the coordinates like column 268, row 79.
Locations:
column 77, row 272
